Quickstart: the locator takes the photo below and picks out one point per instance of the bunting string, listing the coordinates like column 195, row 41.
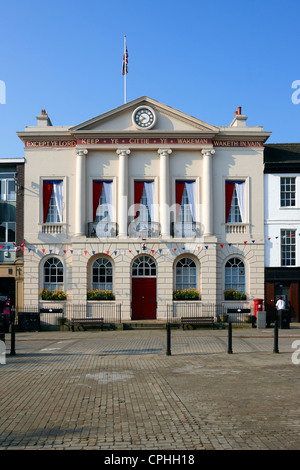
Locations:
column 178, row 248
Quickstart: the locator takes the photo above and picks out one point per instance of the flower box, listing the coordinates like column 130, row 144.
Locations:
column 98, row 294
column 56, row 295
column 186, row 294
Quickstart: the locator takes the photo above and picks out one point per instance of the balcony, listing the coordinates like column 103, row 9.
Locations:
column 144, row 230
column 53, row 228
column 102, row 229
column 236, row 227
column 186, row 229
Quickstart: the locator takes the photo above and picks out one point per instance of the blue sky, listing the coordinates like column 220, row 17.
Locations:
column 202, row 58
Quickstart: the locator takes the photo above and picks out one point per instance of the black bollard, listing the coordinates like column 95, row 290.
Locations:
column 276, row 349
column 229, row 338
column 168, row 339
column 12, row 332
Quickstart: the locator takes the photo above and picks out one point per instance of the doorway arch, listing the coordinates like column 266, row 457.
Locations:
column 143, row 288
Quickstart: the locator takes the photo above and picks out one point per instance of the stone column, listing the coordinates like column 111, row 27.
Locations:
column 80, row 192
column 164, row 189
column 207, row 191
column 123, row 192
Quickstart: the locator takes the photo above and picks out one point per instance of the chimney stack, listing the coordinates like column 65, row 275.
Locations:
column 43, row 119
column 239, row 118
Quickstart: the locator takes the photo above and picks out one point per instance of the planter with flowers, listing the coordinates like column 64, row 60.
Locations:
column 98, row 294
column 56, row 295
column 186, row 294
column 234, row 294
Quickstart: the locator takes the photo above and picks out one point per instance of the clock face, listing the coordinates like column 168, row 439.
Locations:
column 144, row 117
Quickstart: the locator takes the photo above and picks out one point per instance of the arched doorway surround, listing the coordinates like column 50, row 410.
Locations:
column 143, row 288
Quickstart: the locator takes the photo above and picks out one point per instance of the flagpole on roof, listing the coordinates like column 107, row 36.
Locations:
column 125, row 68
column 125, row 72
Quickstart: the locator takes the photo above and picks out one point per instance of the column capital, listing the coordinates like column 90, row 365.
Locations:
column 82, row 151
column 164, row 151
column 123, row 151
column 208, row 152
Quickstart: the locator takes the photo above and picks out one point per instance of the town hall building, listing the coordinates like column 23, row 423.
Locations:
column 144, row 208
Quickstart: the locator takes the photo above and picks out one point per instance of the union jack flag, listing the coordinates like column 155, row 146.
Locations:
column 125, row 62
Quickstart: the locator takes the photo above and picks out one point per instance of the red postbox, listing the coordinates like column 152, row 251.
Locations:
column 258, row 306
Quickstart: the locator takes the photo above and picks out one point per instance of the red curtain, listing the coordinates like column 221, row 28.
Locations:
column 179, row 192
column 229, row 188
column 138, row 192
column 47, row 191
column 97, row 188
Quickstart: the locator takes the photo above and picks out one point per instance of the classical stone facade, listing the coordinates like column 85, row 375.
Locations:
column 114, row 205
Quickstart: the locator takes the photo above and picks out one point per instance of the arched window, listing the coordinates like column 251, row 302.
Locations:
column 53, row 274
column 186, row 274
column 143, row 266
column 102, row 274
column 235, row 277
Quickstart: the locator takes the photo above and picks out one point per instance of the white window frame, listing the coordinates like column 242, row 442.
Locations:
column 107, row 285
column 4, row 180
column 53, row 286
column 284, row 237
column 188, row 285
column 285, row 193
column 65, row 202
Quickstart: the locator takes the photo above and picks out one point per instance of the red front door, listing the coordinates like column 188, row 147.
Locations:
column 143, row 298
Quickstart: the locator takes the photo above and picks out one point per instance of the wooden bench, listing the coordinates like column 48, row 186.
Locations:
column 197, row 321
column 86, row 322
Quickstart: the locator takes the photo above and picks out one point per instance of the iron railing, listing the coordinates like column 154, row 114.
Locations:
column 222, row 313
column 33, row 318
column 102, row 229
column 144, row 230
column 186, row 229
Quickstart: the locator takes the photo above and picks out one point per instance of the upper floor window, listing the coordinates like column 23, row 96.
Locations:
column 7, row 187
column 7, row 232
column 185, row 201
column 52, row 201
column 235, row 201
column 143, row 200
column 185, row 209
column 288, row 248
column 102, row 201
column 143, row 224
column 287, row 191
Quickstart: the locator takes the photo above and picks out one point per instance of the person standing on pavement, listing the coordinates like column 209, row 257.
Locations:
column 280, row 304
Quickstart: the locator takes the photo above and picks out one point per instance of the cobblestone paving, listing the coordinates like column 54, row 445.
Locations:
column 119, row 390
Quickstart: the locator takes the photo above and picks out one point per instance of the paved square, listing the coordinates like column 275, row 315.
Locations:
column 118, row 390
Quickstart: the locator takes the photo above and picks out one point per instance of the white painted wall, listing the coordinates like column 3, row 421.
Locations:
column 277, row 218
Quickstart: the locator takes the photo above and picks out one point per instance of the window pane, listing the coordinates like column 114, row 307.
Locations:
column 2, row 233
column 102, row 274
column 11, row 192
column 11, row 232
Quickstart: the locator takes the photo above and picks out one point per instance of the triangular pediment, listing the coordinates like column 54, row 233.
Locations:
column 167, row 119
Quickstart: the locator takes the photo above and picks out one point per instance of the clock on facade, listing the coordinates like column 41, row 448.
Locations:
column 143, row 117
